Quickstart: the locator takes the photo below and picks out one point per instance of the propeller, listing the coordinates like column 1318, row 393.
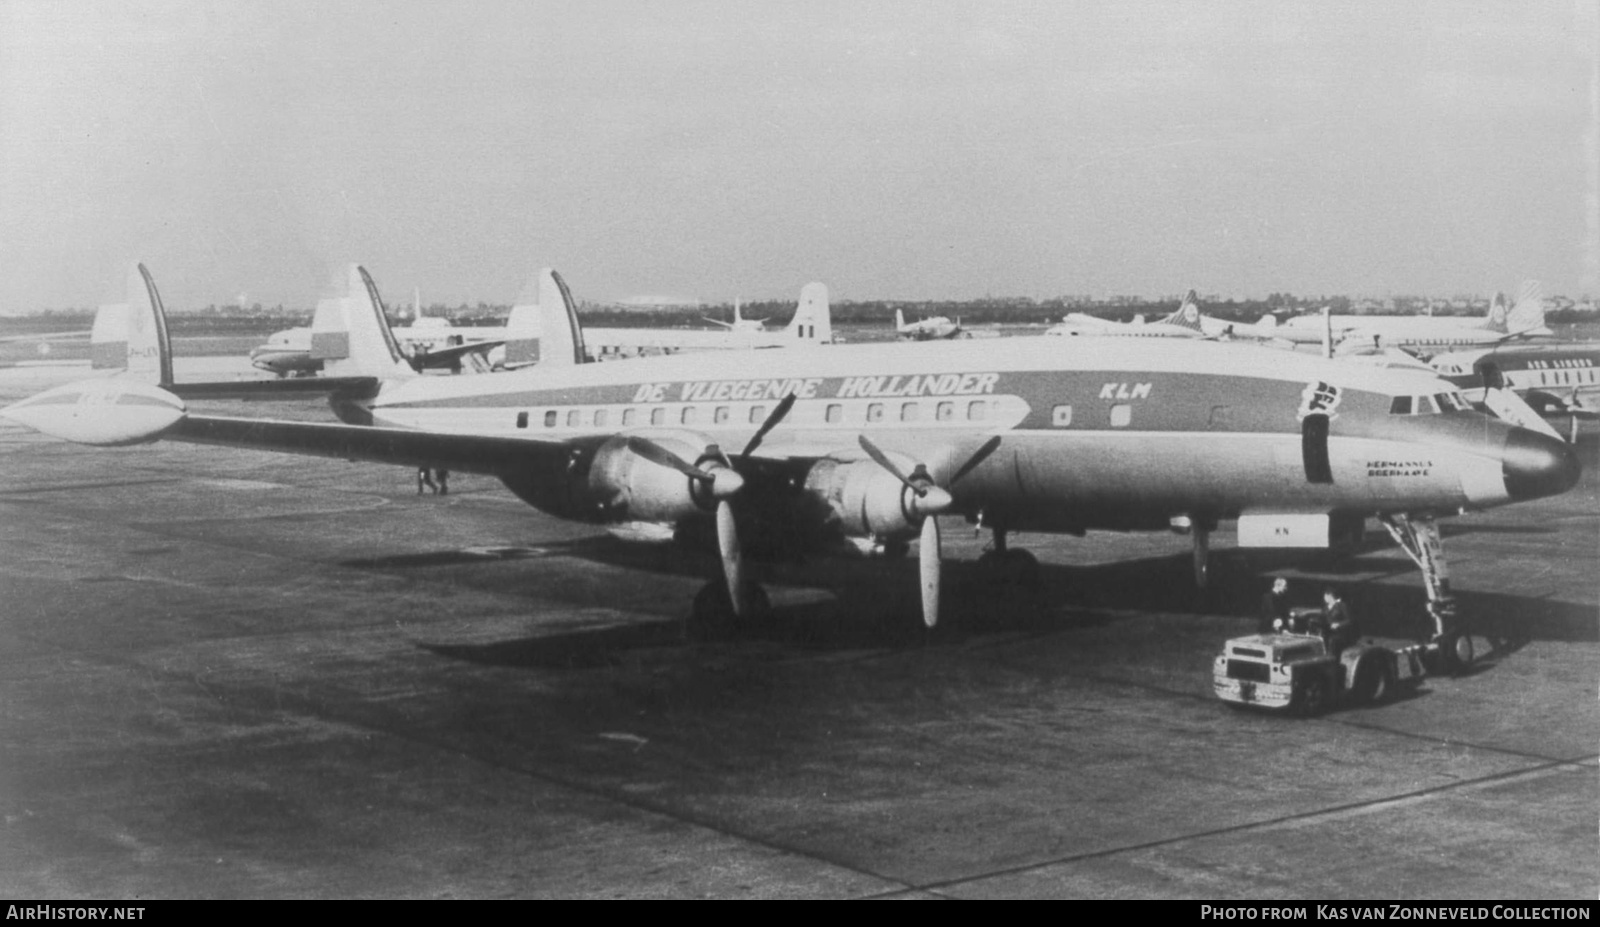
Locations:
column 928, row 500
column 724, row 482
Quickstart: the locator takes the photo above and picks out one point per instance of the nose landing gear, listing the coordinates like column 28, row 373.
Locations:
column 1418, row 536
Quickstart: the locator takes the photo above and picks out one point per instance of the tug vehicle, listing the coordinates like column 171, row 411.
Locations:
column 1292, row 671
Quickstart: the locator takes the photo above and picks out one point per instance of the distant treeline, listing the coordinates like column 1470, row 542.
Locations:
column 233, row 320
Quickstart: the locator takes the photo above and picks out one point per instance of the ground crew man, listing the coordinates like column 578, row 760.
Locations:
column 1339, row 629
column 1275, row 608
column 425, row 478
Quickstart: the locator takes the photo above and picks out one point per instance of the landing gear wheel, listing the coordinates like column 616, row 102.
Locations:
column 1312, row 699
column 1012, row 568
column 712, row 616
column 1456, row 652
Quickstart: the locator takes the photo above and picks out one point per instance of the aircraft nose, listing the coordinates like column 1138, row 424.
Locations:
column 1536, row 465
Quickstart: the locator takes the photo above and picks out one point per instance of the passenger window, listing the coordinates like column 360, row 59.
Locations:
column 875, row 412
column 1061, row 416
column 910, row 411
column 522, row 419
column 600, row 417
column 835, row 413
column 977, row 411
column 1222, row 416
column 758, row 414
column 945, row 411
column 721, row 415
column 1121, row 415
column 550, row 419
column 688, row 415
column 628, row 415
column 658, row 416
column 1400, row 405
column 574, row 417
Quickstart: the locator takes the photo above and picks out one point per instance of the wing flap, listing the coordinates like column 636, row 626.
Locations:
column 464, row 453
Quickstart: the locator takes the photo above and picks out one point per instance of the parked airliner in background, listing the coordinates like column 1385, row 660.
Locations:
column 797, row 453
column 934, row 328
column 1184, row 322
column 1428, row 335
column 433, row 343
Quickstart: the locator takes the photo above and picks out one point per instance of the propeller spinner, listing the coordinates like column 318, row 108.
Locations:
column 927, row 500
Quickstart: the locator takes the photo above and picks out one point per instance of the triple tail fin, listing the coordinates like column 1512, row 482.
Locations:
column 813, row 321
column 1187, row 315
column 132, row 335
column 543, row 327
column 351, row 336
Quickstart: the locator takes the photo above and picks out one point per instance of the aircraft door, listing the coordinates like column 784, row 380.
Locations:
column 1314, row 448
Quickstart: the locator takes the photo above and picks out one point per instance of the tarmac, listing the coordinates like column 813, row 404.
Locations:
column 237, row 674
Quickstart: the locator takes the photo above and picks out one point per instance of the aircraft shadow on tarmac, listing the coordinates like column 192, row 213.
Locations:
column 874, row 605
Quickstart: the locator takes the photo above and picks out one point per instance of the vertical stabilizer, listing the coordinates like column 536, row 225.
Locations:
column 1187, row 315
column 543, row 327
column 1528, row 313
column 1496, row 319
column 132, row 336
column 560, row 335
column 350, row 335
column 899, row 320
column 813, row 321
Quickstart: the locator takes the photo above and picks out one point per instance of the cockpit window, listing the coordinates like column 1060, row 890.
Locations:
column 1428, row 405
column 1450, row 402
column 1400, row 406
column 1425, row 406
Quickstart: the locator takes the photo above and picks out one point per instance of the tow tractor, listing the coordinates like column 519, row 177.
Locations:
column 1293, row 670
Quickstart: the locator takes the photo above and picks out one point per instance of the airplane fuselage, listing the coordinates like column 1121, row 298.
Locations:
column 1111, row 433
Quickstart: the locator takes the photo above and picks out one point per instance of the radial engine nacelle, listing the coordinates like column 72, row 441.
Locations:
column 108, row 412
column 632, row 487
column 869, row 501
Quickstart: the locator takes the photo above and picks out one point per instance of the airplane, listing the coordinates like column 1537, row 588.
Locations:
column 1552, row 377
column 930, row 329
column 739, row 324
column 1426, row 335
column 864, row 447
column 812, row 325
column 1184, row 322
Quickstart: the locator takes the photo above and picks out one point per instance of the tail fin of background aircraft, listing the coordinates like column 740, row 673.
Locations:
column 543, row 327
column 1187, row 315
column 899, row 320
column 132, row 336
column 1496, row 320
column 813, row 320
column 1528, row 313
column 350, row 335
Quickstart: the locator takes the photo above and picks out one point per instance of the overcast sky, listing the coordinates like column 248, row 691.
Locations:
column 712, row 150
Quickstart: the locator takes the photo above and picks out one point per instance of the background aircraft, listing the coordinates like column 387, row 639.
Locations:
column 929, row 329
column 1184, row 322
column 1428, row 335
column 863, row 447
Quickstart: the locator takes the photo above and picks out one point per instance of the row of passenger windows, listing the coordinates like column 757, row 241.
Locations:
column 977, row 410
column 1556, row 377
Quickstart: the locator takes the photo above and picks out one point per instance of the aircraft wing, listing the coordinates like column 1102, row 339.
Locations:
column 447, row 356
column 462, row 452
column 44, row 336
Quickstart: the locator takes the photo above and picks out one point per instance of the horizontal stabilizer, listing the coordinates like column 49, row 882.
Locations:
column 106, row 412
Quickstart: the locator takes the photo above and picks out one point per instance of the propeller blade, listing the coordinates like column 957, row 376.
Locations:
column 977, row 457
column 930, row 559
column 657, row 454
column 732, row 556
column 778, row 414
column 883, row 461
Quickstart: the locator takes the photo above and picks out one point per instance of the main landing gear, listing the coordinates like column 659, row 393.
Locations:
column 1009, row 568
column 1418, row 536
column 713, row 616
